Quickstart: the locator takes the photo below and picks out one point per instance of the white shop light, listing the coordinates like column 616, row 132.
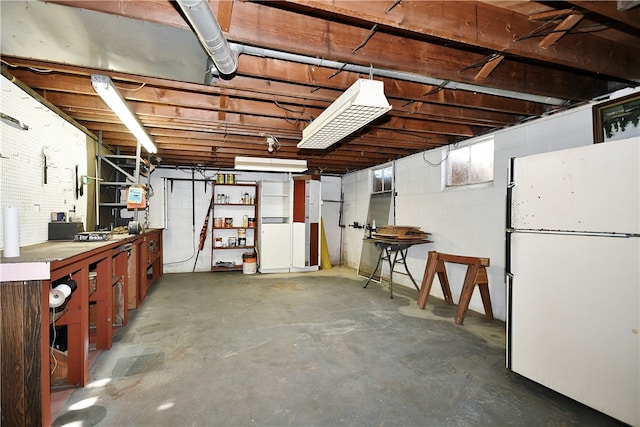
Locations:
column 270, row 164
column 359, row 105
column 110, row 95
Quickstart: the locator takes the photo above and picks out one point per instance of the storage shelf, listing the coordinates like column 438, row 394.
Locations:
column 236, row 210
column 219, row 268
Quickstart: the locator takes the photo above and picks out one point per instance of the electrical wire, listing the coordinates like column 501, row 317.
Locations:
column 193, row 248
column 430, row 163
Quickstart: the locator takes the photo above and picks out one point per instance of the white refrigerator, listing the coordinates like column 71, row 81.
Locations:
column 573, row 274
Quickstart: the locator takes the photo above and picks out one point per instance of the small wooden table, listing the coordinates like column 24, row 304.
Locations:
column 394, row 250
column 476, row 275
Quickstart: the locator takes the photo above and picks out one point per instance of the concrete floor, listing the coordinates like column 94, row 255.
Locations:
column 309, row 349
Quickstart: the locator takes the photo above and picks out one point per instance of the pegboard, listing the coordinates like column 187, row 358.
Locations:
column 22, row 164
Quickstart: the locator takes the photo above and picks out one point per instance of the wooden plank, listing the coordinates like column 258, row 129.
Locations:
column 567, row 24
column 459, row 259
column 488, row 68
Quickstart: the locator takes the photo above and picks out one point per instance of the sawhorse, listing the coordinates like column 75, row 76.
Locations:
column 476, row 275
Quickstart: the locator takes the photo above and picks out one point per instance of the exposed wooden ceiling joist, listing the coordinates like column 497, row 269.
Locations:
column 515, row 46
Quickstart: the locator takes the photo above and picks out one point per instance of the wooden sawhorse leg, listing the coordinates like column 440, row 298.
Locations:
column 434, row 266
column 476, row 275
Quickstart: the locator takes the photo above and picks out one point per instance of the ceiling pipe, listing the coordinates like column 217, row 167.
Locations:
column 415, row 78
column 209, row 33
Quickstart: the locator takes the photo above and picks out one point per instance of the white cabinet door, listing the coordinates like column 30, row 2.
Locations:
column 299, row 245
column 275, row 248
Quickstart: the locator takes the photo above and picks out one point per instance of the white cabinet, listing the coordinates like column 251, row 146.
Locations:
column 289, row 225
column 274, row 224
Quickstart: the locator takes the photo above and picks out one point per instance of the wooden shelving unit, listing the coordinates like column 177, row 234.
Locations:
column 234, row 214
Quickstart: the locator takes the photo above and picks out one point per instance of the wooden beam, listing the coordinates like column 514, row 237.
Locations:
column 629, row 19
column 485, row 26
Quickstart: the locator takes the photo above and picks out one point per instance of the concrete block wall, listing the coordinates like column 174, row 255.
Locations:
column 463, row 221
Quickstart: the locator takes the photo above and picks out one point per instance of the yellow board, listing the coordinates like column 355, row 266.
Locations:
column 325, row 260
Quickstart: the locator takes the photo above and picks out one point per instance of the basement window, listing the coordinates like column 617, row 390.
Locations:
column 382, row 179
column 472, row 164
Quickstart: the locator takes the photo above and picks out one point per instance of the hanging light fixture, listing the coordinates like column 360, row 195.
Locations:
column 110, row 95
column 359, row 105
column 270, row 164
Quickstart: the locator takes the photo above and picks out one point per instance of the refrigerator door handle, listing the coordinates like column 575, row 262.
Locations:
column 573, row 233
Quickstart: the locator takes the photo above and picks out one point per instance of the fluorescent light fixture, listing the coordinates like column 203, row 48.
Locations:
column 110, row 95
column 359, row 105
column 270, row 164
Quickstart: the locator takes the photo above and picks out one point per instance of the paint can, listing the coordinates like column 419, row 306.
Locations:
column 242, row 241
column 220, row 178
column 251, row 222
column 230, row 179
column 242, row 232
column 249, row 262
column 228, row 222
column 217, row 223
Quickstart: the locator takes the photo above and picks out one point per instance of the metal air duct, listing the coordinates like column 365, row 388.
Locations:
column 209, row 33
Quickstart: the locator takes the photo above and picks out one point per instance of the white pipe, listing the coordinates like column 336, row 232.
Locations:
column 210, row 34
column 285, row 56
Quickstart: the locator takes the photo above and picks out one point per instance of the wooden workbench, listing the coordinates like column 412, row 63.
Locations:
column 133, row 261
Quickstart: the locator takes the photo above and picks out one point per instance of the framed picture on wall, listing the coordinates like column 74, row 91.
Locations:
column 617, row 119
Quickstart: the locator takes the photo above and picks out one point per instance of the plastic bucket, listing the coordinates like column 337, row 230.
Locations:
column 249, row 263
